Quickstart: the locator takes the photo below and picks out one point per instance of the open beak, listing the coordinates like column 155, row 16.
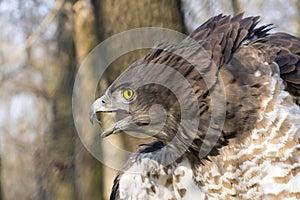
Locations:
column 128, row 123
column 100, row 105
column 103, row 104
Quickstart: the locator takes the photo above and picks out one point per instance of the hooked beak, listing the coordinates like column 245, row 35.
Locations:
column 100, row 105
column 103, row 104
column 128, row 123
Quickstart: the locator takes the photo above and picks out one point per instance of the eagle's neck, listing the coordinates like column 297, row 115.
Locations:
column 164, row 154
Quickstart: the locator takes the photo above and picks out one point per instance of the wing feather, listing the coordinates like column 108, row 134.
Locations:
column 284, row 49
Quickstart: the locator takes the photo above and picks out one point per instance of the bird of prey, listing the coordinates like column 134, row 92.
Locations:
column 223, row 109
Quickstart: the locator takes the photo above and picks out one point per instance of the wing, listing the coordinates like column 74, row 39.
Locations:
column 223, row 35
column 284, row 49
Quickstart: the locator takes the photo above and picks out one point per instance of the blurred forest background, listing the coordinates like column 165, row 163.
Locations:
column 42, row 44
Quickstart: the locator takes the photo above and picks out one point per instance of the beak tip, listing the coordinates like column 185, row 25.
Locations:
column 97, row 106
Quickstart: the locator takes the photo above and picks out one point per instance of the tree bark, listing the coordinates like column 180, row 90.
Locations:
column 1, row 194
column 61, row 158
column 88, row 169
column 297, row 21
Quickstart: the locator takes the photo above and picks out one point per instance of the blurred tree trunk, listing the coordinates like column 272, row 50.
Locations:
column 236, row 7
column 61, row 158
column 1, row 195
column 297, row 21
column 112, row 17
column 88, row 169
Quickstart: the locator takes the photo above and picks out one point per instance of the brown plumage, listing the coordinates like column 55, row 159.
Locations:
column 230, row 129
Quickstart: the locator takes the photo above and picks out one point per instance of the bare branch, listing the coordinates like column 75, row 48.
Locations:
column 33, row 37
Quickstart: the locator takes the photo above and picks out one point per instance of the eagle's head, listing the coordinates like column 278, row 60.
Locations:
column 153, row 95
column 147, row 105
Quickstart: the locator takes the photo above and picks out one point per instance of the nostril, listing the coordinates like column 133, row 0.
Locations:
column 102, row 101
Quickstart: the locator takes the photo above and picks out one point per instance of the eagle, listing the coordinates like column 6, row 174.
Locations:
column 223, row 109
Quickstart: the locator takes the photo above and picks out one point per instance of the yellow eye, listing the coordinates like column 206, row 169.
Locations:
column 128, row 94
